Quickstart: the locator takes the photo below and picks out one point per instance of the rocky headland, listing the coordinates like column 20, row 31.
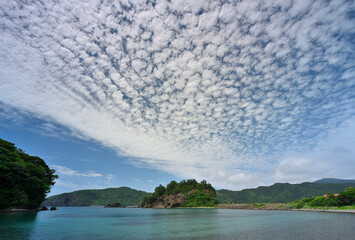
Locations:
column 184, row 194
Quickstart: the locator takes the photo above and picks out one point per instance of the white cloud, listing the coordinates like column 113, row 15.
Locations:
column 62, row 170
column 197, row 89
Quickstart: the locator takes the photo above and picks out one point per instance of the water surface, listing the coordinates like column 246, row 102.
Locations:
column 124, row 223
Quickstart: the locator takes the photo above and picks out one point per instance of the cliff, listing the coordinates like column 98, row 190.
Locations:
column 168, row 201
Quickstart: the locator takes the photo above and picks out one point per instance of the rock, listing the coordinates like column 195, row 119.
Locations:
column 43, row 208
column 114, row 205
column 168, row 201
column 53, row 208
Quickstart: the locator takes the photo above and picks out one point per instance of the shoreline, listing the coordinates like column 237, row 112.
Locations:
column 326, row 210
column 16, row 210
column 231, row 207
column 281, row 207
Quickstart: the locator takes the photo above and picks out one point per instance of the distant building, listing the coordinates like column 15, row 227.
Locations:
column 335, row 194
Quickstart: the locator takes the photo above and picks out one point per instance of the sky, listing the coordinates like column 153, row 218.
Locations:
column 138, row 93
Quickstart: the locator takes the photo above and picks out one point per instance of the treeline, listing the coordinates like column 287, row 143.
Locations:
column 345, row 198
column 197, row 194
column 24, row 180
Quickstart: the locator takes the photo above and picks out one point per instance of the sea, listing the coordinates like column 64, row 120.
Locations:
column 135, row 223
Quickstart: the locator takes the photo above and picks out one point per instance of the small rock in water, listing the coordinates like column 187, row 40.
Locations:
column 114, row 205
column 53, row 208
column 43, row 208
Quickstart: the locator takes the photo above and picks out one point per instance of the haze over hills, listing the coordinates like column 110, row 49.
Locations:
column 334, row 180
column 276, row 193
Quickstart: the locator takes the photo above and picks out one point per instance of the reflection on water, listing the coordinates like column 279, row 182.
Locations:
column 17, row 225
column 108, row 223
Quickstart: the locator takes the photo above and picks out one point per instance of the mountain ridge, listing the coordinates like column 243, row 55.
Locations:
column 281, row 192
column 334, row 180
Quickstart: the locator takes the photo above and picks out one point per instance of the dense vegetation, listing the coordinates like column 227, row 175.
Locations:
column 197, row 194
column 281, row 192
column 345, row 198
column 24, row 180
column 124, row 195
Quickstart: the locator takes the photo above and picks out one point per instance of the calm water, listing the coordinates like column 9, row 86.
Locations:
column 119, row 223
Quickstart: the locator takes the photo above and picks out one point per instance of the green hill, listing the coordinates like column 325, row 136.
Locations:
column 124, row 195
column 281, row 192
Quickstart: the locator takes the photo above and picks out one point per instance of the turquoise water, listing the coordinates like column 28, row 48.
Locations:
column 125, row 223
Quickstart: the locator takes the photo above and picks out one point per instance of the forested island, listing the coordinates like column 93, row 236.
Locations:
column 188, row 193
column 24, row 179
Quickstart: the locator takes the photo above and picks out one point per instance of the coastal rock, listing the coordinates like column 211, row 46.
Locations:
column 114, row 205
column 53, row 208
column 43, row 208
column 168, row 201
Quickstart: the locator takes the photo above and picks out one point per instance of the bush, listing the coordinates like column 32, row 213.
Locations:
column 347, row 197
column 324, row 201
column 199, row 199
column 300, row 205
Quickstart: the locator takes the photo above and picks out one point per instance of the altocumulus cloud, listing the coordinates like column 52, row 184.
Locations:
column 205, row 89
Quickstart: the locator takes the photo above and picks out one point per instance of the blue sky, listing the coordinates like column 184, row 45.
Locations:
column 137, row 93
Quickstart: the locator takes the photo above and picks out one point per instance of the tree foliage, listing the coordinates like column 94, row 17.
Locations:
column 24, row 180
column 344, row 198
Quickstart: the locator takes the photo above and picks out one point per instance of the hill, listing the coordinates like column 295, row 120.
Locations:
column 124, row 195
column 24, row 179
column 188, row 193
column 334, row 180
column 281, row 192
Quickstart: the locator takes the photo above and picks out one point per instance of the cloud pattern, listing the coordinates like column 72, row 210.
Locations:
column 206, row 89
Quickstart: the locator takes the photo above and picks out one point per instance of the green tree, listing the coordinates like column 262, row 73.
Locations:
column 347, row 197
column 24, row 180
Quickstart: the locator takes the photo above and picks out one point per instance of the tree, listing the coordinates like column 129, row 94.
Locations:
column 347, row 197
column 24, row 180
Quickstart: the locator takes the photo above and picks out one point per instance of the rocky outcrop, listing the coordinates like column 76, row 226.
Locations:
column 53, row 209
column 168, row 201
column 188, row 193
column 114, row 205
